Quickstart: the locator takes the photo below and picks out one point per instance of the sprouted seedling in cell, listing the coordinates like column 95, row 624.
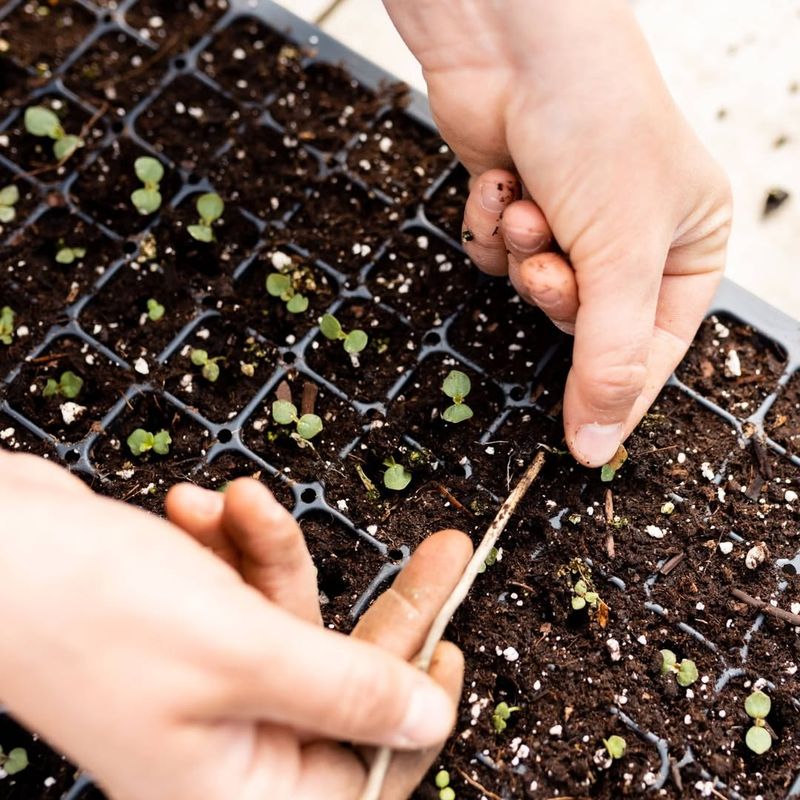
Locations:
column 14, row 761
column 7, row 315
column 68, row 386
column 150, row 171
column 685, row 672
column 396, row 477
column 42, row 122
column 155, row 311
column 200, row 358
column 9, row 197
column 490, row 560
column 442, row 782
column 210, row 208
column 354, row 342
column 583, row 596
column 582, row 590
column 457, row 386
column 501, row 714
column 142, row 441
column 608, row 471
column 69, row 255
column 307, row 425
column 616, row 746
column 280, row 285
column 758, row 738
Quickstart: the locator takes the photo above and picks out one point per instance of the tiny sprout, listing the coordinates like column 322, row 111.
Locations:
column 141, row 441
column 608, row 471
column 457, row 386
column 69, row 255
column 668, row 508
column 285, row 413
column 354, row 342
column 396, row 477
column 9, row 197
column 200, row 358
column 490, row 561
column 442, row 783
column 150, row 172
column 7, row 315
column 280, row 285
column 68, row 386
column 40, row 121
column 210, row 207
column 616, row 746
column 501, row 715
column 15, row 761
column 155, row 311
column 685, row 672
column 758, row 738
column 583, row 596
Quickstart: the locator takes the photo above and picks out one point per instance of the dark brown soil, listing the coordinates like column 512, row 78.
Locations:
column 446, row 208
column 174, row 23
column 783, row 419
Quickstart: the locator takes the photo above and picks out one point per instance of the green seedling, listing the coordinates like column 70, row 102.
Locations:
column 616, row 746
column 7, row 316
column 396, row 477
column 354, row 342
column 685, row 672
column 491, row 560
column 758, row 738
column 200, row 358
column 280, row 285
column 150, row 171
column 285, row 413
column 42, row 122
column 9, row 197
column 142, row 441
column 583, row 596
column 68, row 386
column 155, row 311
column 457, row 386
column 608, row 471
column 14, row 761
column 442, row 783
column 69, row 255
column 501, row 714
column 210, row 207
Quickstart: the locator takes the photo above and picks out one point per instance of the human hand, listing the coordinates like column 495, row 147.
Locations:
column 169, row 674
column 560, row 115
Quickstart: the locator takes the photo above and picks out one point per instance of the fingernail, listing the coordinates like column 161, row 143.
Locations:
column 596, row 444
column 494, row 197
column 525, row 242
column 428, row 719
column 204, row 501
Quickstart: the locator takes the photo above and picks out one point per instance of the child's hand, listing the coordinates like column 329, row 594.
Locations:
column 566, row 99
column 172, row 675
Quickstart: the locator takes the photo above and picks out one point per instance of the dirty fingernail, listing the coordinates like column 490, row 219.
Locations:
column 596, row 444
column 524, row 242
column 495, row 197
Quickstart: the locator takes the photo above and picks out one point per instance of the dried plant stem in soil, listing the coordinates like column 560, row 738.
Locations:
column 383, row 758
column 767, row 608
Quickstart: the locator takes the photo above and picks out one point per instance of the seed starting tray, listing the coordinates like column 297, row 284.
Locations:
column 225, row 438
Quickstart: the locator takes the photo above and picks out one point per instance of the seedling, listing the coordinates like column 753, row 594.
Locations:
column 142, row 441
column 210, row 208
column 491, row 560
column 14, row 761
column 758, row 738
column 280, row 285
column 285, row 413
column 608, row 471
column 616, row 746
column 68, row 386
column 685, row 672
column 457, row 386
column 40, row 121
column 354, row 342
column 501, row 715
column 9, row 197
column 150, row 171
column 155, row 311
column 200, row 358
column 373, row 495
column 396, row 477
column 442, row 783
column 69, row 255
column 7, row 315
column 583, row 596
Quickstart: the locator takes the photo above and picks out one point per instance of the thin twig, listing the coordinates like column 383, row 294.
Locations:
column 383, row 759
column 472, row 782
column 766, row 608
column 448, row 495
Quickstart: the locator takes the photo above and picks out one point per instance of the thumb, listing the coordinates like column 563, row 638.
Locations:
column 618, row 286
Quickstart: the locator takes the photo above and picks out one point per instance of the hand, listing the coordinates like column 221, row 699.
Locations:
column 560, row 115
column 171, row 675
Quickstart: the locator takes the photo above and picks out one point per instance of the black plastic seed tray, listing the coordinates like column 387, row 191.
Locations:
column 125, row 120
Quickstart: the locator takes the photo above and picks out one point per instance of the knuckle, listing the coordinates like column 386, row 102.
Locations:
column 615, row 385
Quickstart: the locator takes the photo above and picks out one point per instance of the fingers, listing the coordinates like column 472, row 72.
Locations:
column 489, row 197
column 34, row 470
column 525, row 230
column 400, row 618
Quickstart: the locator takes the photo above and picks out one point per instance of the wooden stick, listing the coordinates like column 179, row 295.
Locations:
column 766, row 608
column 383, row 759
